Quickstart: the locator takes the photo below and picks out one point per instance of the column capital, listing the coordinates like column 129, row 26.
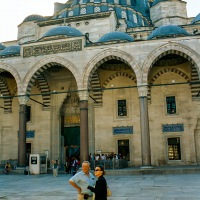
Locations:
column 143, row 91
column 23, row 100
column 83, row 95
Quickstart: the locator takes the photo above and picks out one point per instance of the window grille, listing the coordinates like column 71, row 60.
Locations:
column 174, row 149
column 122, row 111
column 171, row 104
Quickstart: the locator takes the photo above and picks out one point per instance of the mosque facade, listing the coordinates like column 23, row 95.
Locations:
column 108, row 76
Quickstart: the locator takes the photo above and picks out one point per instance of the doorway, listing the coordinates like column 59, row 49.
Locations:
column 174, row 149
column 28, row 152
column 72, row 141
column 123, row 149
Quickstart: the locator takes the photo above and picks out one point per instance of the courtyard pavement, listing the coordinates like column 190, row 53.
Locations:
column 127, row 187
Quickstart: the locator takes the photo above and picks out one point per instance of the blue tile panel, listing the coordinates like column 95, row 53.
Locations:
column 172, row 128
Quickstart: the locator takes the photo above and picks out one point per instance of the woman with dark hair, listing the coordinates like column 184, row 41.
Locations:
column 100, row 188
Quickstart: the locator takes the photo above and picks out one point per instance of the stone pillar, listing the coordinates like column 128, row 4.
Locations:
column 144, row 126
column 84, row 139
column 22, row 132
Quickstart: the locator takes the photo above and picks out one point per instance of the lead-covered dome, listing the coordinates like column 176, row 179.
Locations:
column 2, row 47
column 157, row 1
column 135, row 12
column 196, row 19
column 116, row 36
column 62, row 31
column 10, row 51
column 167, row 31
column 34, row 17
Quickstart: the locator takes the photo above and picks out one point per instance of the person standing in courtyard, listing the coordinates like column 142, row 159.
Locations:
column 7, row 169
column 55, row 168
column 100, row 188
column 81, row 180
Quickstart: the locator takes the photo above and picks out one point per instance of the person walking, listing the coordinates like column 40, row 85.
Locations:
column 55, row 168
column 100, row 188
column 74, row 166
column 81, row 180
column 7, row 169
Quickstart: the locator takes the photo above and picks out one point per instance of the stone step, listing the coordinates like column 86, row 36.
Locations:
column 193, row 169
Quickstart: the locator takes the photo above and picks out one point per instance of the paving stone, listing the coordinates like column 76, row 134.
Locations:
column 127, row 187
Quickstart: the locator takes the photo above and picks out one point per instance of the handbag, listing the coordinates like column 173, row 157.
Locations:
column 109, row 192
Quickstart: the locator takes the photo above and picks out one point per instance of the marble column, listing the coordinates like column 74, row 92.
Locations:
column 22, row 132
column 84, row 139
column 144, row 126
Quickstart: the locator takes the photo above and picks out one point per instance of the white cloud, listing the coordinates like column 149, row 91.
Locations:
column 13, row 12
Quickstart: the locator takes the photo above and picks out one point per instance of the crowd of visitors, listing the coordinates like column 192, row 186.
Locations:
column 111, row 156
column 72, row 165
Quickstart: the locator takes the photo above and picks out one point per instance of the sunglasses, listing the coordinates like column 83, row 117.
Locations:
column 96, row 170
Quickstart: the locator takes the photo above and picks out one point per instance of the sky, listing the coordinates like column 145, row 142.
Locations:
column 13, row 12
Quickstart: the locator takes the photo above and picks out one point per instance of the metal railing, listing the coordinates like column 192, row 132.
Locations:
column 13, row 163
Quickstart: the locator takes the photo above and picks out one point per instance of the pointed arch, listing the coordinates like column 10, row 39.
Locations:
column 118, row 74
column 4, row 89
column 104, row 56
column 170, row 48
column 164, row 71
column 38, row 69
column 13, row 71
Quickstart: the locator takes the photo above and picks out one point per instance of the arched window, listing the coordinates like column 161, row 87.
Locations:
column 70, row 13
column 124, row 16
column 97, row 9
column 135, row 18
column 83, row 11
column 142, row 22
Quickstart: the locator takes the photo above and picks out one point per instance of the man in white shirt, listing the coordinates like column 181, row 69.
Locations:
column 81, row 180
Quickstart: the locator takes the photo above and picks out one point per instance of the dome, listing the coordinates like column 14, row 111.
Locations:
column 168, row 30
column 196, row 19
column 136, row 12
column 2, row 47
column 157, row 1
column 34, row 18
column 10, row 51
column 63, row 30
column 116, row 36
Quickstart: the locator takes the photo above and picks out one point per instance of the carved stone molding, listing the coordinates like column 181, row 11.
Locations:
column 143, row 91
column 53, row 48
column 83, row 95
column 23, row 100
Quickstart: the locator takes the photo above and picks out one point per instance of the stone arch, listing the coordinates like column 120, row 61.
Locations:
column 13, row 71
column 170, row 48
column 104, row 56
column 46, row 63
column 164, row 71
column 4, row 89
column 44, row 88
column 118, row 74
column 42, row 65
